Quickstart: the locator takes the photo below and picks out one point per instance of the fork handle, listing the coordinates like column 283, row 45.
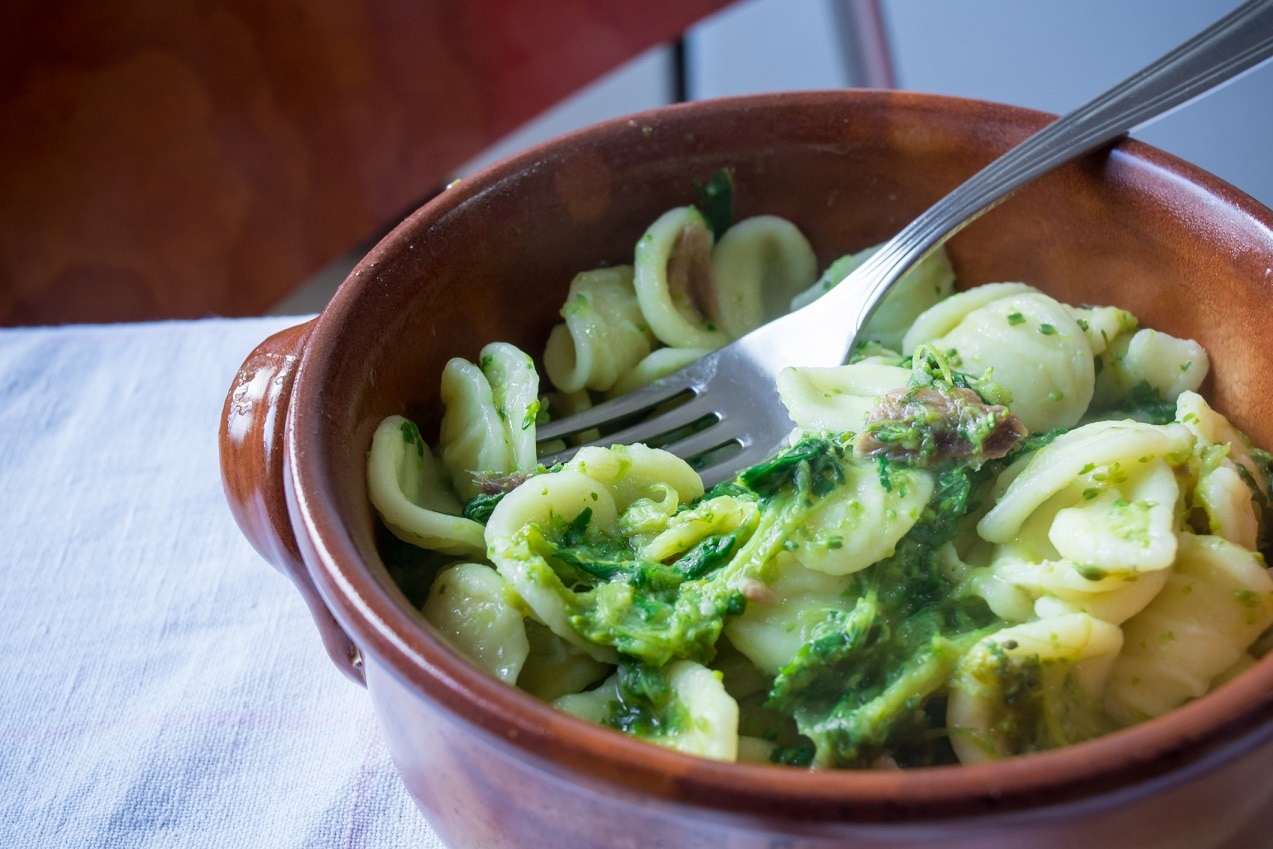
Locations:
column 1234, row 44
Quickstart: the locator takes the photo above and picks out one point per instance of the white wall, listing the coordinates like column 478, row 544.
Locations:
column 1046, row 54
column 1057, row 54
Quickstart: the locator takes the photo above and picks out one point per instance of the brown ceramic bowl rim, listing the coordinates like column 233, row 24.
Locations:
column 1195, row 737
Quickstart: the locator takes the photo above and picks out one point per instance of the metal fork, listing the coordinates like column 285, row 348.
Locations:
column 723, row 413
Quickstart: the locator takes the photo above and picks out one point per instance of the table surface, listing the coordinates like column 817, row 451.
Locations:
column 162, row 685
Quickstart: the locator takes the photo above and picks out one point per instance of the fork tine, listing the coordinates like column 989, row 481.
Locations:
column 726, row 466
column 692, row 378
column 637, row 401
column 665, row 423
column 724, row 431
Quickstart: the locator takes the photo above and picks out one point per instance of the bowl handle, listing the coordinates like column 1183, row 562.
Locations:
column 251, row 441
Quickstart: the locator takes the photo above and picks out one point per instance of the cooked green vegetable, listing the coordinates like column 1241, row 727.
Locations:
column 918, row 579
column 716, row 201
column 653, row 611
column 871, row 670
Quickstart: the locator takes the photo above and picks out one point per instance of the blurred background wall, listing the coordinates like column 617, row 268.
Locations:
column 1052, row 55
column 202, row 157
column 1046, row 54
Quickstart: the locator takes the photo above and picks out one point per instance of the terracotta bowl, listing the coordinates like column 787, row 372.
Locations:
column 491, row 259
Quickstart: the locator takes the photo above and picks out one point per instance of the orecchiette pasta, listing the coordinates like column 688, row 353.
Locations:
column 1216, row 601
column 774, row 627
column 1006, row 524
column 703, row 717
column 1225, row 499
column 946, row 315
column 659, row 363
column 553, row 667
column 1103, row 325
column 682, row 529
column 1092, row 456
column 407, row 488
column 565, row 494
column 672, row 279
column 604, row 335
column 862, row 527
column 490, row 415
column 1126, row 527
column 1030, row 345
column 1211, row 428
column 837, row 400
column 1071, row 651
column 758, row 266
column 468, row 603
column 1167, row 365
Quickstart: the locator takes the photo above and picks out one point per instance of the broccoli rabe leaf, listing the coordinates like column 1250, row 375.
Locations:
column 1036, row 704
column 616, row 600
column 658, row 611
column 608, row 557
column 587, row 563
column 868, row 672
column 657, row 630
column 479, row 507
column 492, row 487
column 645, row 705
column 1144, row 403
column 644, row 609
column 708, row 556
column 819, row 458
column 888, row 687
column 716, row 201
column 730, row 488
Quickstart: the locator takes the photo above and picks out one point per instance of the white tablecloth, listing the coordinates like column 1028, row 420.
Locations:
column 161, row 685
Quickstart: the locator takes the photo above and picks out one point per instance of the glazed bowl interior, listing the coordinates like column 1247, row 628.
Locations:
column 492, row 259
